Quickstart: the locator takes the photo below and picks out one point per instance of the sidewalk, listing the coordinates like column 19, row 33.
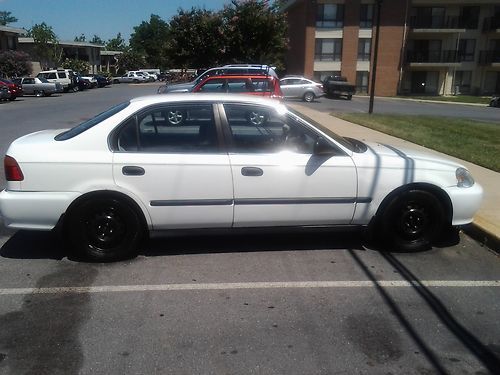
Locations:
column 424, row 100
column 486, row 225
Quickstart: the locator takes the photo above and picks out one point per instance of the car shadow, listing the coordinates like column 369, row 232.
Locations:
column 25, row 244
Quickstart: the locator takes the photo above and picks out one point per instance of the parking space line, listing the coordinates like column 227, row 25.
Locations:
column 250, row 285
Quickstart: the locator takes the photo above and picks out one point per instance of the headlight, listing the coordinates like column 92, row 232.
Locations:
column 464, row 178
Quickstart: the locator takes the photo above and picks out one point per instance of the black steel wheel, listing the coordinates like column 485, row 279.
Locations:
column 104, row 229
column 412, row 220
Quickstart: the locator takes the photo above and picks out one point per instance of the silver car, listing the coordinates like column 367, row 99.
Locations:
column 38, row 86
column 297, row 87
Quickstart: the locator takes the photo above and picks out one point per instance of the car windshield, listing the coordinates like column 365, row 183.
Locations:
column 343, row 141
column 68, row 134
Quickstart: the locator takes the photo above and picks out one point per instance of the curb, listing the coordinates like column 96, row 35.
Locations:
column 426, row 101
column 483, row 236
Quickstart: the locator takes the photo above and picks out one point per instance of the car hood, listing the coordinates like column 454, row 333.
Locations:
column 177, row 87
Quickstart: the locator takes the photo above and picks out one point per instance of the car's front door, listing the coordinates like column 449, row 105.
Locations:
column 176, row 168
column 290, row 87
column 278, row 179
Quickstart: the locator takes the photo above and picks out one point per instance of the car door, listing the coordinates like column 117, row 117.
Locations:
column 28, row 85
column 177, row 169
column 290, row 87
column 278, row 180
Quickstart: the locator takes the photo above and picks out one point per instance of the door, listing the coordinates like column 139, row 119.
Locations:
column 277, row 178
column 28, row 85
column 174, row 165
column 291, row 87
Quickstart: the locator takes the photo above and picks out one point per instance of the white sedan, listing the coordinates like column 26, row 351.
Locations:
column 195, row 161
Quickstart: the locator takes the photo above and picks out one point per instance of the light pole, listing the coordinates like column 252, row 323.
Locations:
column 375, row 55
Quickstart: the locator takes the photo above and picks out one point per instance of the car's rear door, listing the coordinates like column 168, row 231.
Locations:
column 169, row 156
column 278, row 180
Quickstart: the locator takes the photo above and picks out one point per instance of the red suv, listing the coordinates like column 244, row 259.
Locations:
column 262, row 85
column 14, row 88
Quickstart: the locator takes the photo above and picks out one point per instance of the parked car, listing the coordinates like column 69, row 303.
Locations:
column 495, row 101
column 238, row 69
column 58, row 75
column 130, row 77
column 338, row 86
column 129, row 170
column 15, row 89
column 4, row 92
column 149, row 77
column 90, row 79
column 297, row 87
column 38, row 86
column 266, row 86
column 102, row 81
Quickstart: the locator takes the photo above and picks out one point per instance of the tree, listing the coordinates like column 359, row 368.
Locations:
column 149, row 38
column 15, row 63
column 96, row 40
column 116, row 44
column 255, row 32
column 47, row 46
column 80, row 38
column 75, row 65
column 195, row 39
column 130, row 60
column 5, row 18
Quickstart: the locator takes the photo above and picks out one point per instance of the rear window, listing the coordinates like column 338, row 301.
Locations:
column 91, row 122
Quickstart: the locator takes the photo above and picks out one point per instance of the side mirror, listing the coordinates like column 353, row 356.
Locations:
column 323, row 147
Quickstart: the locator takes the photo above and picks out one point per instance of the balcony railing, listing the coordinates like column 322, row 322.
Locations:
column 446, row 56
column 442, row 22
column 328, row 57
column 491, row 23
column 489, row 57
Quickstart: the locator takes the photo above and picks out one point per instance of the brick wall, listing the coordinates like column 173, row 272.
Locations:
column 350, row 39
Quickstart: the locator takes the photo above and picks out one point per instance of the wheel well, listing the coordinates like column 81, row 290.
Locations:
column 439, row 193
column 107, row 194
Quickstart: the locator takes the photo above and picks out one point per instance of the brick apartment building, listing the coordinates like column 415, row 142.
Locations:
column 439, row 47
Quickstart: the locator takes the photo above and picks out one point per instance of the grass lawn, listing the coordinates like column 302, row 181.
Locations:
column 456, row 98
column 473, row 141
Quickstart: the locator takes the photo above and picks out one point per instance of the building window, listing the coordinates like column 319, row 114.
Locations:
column 466, row 49
column 469, row 17
column 11, row 42
column 330, row 16
column 362, row 82
column 462, row 81
column 429, row 18
column 322, row 75
column 366, row 16
column 328, row 50
column 364, row 49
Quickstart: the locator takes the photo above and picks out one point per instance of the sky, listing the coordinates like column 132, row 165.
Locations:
column 104, row 18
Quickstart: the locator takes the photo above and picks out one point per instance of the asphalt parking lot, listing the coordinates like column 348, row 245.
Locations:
column 294, row 302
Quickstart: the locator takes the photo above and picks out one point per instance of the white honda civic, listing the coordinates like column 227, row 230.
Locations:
column 196, row 161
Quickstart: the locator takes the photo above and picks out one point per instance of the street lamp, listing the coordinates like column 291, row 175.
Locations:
column 375, row 55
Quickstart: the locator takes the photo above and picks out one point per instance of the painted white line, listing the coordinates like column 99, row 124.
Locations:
column 250, row 285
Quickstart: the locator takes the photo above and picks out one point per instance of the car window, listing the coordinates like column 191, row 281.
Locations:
column 51, row 76
column 61, row 74
column 256, row 129
column 304, row 82
column 43, row 80
column 262, row 85
column 240, row 85
column 170, row 129
column 290, row 81
column 213, row 85
column 29, row 81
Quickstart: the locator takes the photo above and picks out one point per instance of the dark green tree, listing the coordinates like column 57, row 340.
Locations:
column 116, row 44
column 97, row 40
column 15, row 63
column 130, row 60
column 5, row 18
column 76, row 65
column 255, row 32
column 47, row 46
column 148, row 39
column 196, row 39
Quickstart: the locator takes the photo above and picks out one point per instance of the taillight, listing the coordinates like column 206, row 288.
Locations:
column 12, row 170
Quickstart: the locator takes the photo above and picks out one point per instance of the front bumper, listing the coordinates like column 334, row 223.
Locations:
column 465, row 202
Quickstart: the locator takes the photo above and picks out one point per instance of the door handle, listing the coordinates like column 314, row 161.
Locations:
column 251, row 171
column 132, row 170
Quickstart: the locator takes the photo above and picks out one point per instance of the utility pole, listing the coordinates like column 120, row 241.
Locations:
column 375, row 55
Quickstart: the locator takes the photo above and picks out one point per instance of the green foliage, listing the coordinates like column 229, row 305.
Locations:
column 80, row 38
column 130, row 60
column 5, row 18
column 75, row 65
column 148, row 38
column 47, row 46
column 195, row 39
column 116, row 44
column 97, row 40
column 14, row 63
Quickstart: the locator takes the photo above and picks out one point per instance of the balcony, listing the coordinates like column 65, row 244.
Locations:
column 439, row 24
column 489, row 57
column 491, row 24
column 433, row 58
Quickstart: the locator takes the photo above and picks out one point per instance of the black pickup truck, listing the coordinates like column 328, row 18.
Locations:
column 338, row 86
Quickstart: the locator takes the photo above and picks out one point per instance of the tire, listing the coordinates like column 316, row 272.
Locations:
column 116, row 81
column 104, row 228
column 176, row 117
column 349, row 97
column 39, row 94
column 256, row 118
column 136, row 81
column 308, row 97
column 411, row 221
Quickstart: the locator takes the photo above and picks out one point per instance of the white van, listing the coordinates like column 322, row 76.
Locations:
column 57, row 75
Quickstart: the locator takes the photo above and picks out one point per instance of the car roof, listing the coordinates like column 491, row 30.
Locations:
column 240, row 76
column 203, row 97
